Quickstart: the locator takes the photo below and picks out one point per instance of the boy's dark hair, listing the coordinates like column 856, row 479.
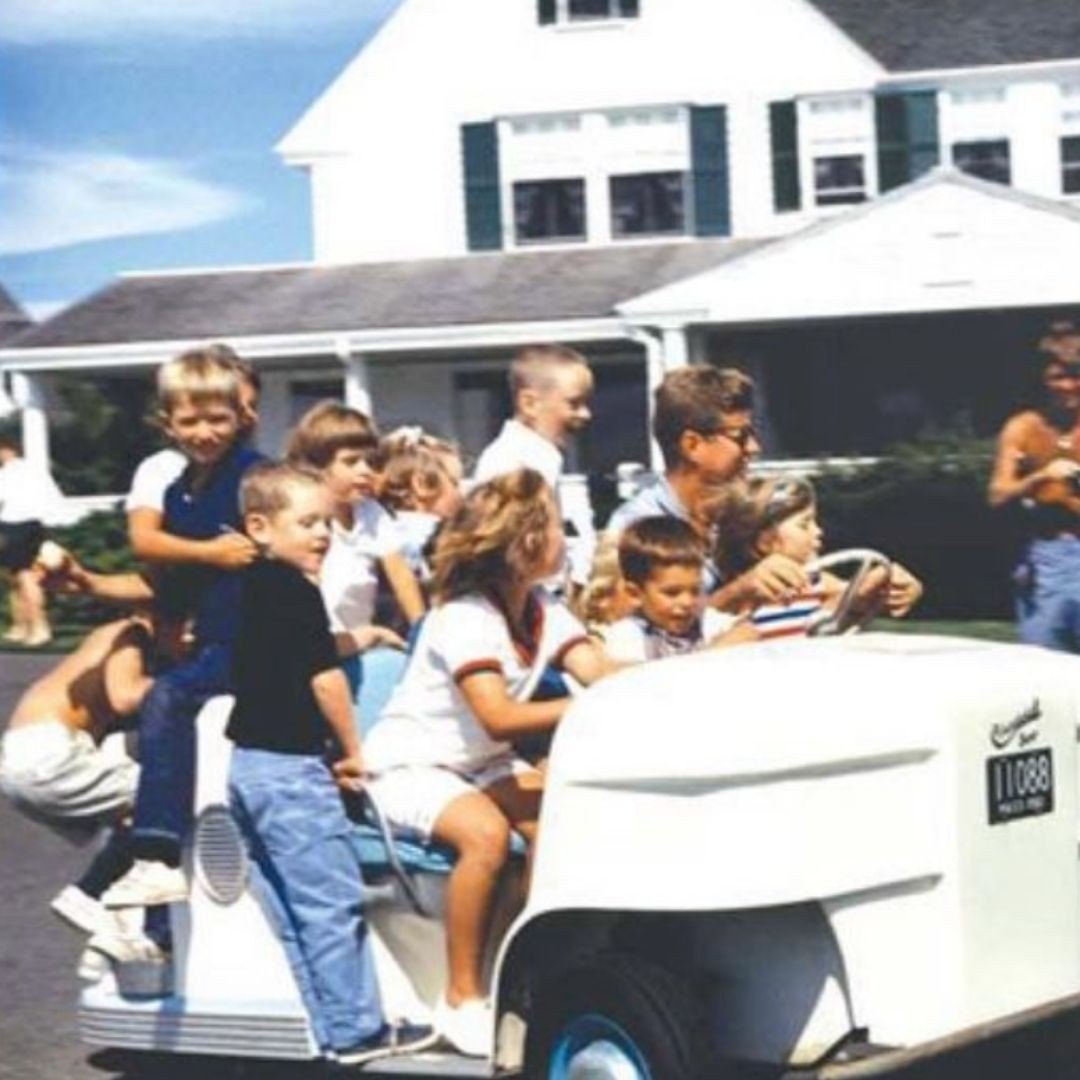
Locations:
column 532, row 366
column 696, row 399
column 9, row 442
column 327, row 428
column 655, row 543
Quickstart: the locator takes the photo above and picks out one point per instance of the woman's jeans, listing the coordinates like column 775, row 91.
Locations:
column 307, row 876
column 1048, row 594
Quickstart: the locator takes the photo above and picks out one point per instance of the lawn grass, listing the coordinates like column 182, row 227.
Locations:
column 984, row 629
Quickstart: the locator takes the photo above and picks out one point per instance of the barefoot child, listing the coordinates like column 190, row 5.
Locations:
column 292, row 717
column 443, row 754
column 55, row 768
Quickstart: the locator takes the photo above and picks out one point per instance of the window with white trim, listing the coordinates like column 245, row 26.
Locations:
column 549, row 210
column 648, row 204
column 574, row 11
column 987, row 159
column 839, row 179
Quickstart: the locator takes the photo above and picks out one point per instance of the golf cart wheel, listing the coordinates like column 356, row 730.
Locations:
column 616, row 1018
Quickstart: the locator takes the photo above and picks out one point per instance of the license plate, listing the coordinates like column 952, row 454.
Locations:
column 1020, row 785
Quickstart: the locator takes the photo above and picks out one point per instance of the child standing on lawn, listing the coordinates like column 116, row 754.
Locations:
column 201, row 409
column 292, row 700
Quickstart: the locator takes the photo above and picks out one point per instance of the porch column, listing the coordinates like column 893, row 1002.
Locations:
column 676, row 347
column 28, row 394
column 654, row 375
column 357, row 389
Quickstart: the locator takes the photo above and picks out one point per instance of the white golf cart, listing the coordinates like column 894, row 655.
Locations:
column 834, row 858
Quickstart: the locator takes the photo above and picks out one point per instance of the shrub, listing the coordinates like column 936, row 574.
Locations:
column 925, row 505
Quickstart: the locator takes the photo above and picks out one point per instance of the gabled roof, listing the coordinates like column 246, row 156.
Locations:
column 947, row 242
column 537, row 286
column 12, row 317
column 922, row 35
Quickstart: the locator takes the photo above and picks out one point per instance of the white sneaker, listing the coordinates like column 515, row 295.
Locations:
column 93, row 966
column 147, row 883
column 468, row 1026
column 81, row 911
column 126, row 948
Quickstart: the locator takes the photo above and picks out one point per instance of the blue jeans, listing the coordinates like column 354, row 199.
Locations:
column 307, row 876
column 1048, row 594
column 163, row 802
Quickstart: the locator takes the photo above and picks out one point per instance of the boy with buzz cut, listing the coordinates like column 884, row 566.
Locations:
column 550, row 389
column 662, row 561
column 201, row 410
column 295, row 744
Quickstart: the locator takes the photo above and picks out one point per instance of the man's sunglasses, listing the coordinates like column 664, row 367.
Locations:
column 740, row 436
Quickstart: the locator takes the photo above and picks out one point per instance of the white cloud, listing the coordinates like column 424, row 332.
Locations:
column 30, row 21
column 53, row 199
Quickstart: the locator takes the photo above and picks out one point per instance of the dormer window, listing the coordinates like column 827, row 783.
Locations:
column 574, row 11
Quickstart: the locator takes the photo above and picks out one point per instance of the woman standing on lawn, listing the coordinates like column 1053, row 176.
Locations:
column 1038, row 468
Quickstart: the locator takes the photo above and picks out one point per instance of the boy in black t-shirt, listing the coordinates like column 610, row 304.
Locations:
column 293, row 716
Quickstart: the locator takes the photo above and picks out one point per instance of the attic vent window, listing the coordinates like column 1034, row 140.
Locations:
column 564, row 11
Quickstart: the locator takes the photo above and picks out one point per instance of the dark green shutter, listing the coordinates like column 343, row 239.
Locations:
column 545, row 11
column 709, row 166
column 784, row 139
column 907, row 136
column 628, row 9
column 483, row 205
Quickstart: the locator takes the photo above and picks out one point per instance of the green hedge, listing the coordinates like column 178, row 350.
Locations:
column 925, row 505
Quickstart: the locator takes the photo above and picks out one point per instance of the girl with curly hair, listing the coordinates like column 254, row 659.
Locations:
column 442, row 755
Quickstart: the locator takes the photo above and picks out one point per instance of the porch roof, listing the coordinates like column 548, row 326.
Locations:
column 948, row 242
column 526, row 287
column 926, row 35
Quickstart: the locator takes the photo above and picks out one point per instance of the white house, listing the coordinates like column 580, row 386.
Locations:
column 868, row 203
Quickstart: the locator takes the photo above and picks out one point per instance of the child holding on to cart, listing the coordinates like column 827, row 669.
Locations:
column 768, row 516
column 342, row 445
column 442, row 755
column 201, row 408
column 296, row 741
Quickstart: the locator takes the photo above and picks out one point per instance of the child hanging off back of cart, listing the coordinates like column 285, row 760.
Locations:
column 442, row 754
column 775, row 515
column 295, row 743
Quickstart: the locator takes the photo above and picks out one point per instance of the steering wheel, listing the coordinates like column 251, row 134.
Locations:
column 846, row 616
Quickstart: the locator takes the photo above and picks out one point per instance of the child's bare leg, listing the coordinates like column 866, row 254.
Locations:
column 478, row 830
column 32, row 599
column 518, row 797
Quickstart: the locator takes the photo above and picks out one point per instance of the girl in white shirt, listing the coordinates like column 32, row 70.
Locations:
column 442, row 754
column 341, row 444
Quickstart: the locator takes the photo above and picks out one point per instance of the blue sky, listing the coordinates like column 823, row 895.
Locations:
column 139, row 134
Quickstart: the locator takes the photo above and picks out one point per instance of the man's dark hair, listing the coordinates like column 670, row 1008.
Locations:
column 696, row 399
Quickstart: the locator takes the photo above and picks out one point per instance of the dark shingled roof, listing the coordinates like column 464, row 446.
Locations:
column 12, row 317
column 525, row 287
column 917, row 35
